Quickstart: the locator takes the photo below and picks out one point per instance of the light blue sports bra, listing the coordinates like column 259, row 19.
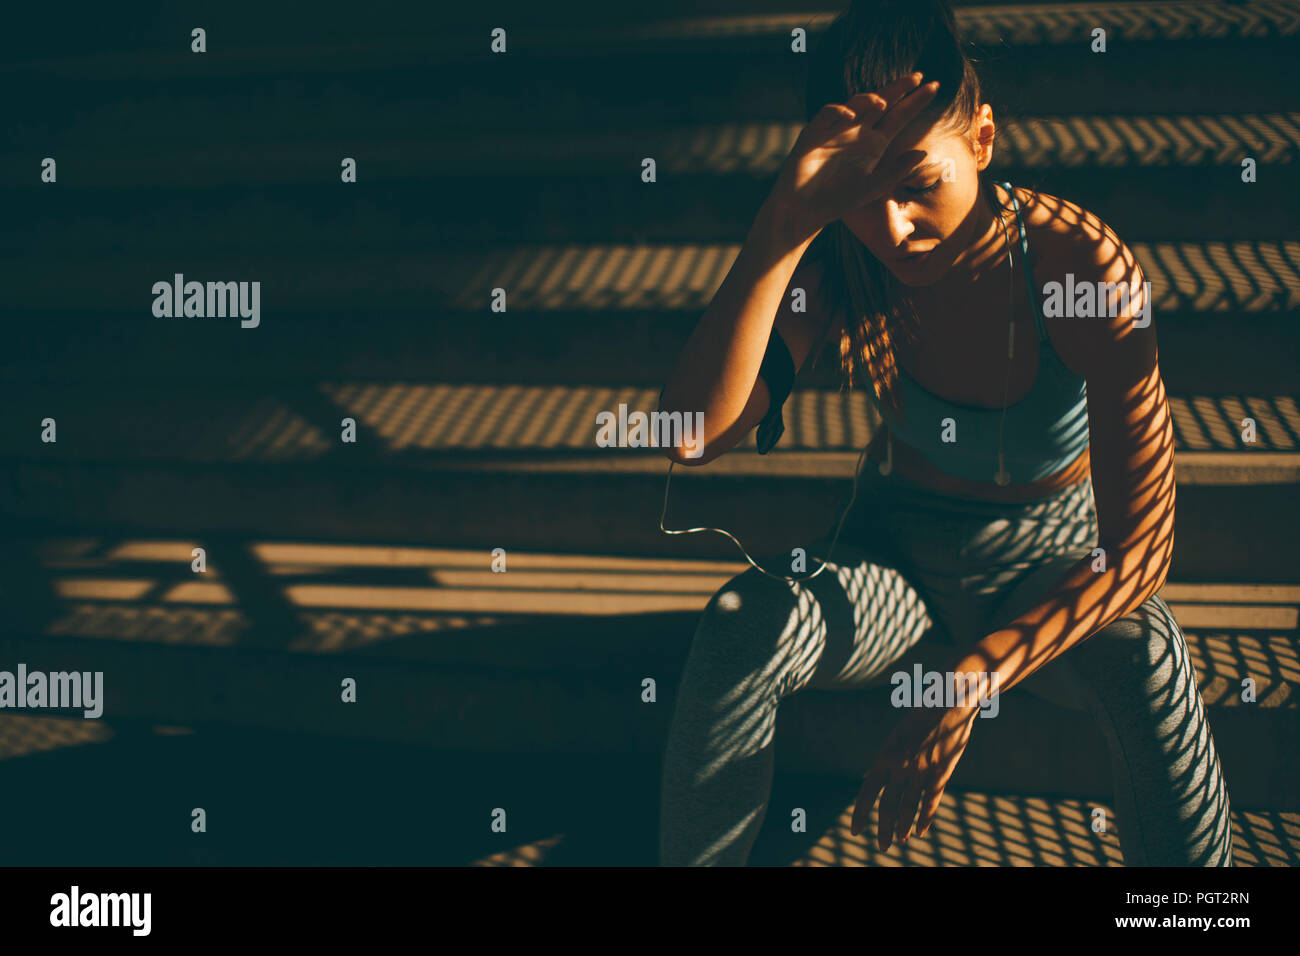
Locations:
column 1044, row 431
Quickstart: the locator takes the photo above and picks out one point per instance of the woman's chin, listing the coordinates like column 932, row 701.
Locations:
column 919, row 270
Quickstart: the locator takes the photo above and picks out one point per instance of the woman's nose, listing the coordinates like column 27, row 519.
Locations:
column 885, row 222
column 897, row 226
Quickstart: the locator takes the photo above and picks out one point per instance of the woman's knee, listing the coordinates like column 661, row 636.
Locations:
column 1143, row 643
column 753, row 617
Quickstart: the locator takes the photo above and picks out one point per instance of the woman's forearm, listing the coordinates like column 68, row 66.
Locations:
column 719, row 364
column 1081, row 603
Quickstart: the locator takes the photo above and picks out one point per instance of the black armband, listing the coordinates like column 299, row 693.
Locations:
column 778, row 371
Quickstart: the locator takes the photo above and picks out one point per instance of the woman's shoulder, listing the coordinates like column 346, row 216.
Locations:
column 1065, row 237
column 1074, row 248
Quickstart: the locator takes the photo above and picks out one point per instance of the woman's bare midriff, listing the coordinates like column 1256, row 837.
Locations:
column 910, row 464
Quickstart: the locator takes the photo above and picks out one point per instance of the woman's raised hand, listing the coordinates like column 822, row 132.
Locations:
column 834, row 165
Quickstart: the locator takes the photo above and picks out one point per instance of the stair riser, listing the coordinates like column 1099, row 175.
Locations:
column 487, row 710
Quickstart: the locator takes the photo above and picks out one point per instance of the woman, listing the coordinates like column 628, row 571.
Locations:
column 1019, row 502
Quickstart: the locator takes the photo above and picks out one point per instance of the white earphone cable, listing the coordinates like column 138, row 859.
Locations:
column 857, row 472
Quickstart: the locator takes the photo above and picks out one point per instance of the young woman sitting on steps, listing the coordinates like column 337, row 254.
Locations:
column 1016, row 514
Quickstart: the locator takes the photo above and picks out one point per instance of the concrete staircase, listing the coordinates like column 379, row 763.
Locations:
column 475, row 429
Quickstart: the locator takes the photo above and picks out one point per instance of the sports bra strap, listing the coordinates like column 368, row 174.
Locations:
column 1026, row 265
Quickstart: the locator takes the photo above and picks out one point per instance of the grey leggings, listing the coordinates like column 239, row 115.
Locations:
column 911, row 564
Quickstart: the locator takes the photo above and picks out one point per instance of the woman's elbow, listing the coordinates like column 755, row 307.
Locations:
column 682, row 456
column 691, row 448
column 680, row 435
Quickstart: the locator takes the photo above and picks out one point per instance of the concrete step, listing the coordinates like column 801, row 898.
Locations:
column 989, row 829
column 279, row 217
column 548, row 657
column 604, row 156
column 522, row 467
column 53, row 355
column 441, row 427
column 673, row 71
column 346, row 39
column 971, row 829
column 1200, row 275
column 412, row 806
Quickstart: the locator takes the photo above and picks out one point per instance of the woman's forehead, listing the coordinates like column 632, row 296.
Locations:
column 924, row 137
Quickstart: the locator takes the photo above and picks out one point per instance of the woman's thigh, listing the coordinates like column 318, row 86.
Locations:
column 1119, row 650
column 875, row 614
column 1056, row 681
column 838, row 629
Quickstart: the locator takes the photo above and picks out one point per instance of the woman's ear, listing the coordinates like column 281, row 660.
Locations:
column 983, row 133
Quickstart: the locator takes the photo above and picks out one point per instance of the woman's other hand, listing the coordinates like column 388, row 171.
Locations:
column 913, row 767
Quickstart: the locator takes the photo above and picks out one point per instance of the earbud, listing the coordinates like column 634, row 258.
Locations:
column 1002, row 478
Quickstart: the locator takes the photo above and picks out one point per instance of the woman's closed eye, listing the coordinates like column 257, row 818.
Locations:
column 916, row 191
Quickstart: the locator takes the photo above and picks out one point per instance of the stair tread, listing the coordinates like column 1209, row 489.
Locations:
column 1241, row 275
column 1017, row 25
column 445, row 607
column 436, row 426
column 971, row 829
column 751, row 148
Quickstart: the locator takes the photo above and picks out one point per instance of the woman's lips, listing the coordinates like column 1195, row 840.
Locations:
column 915, row 257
